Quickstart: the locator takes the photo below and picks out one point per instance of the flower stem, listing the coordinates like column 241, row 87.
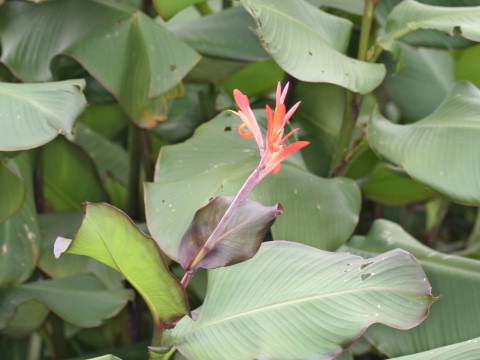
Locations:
column 367, row 19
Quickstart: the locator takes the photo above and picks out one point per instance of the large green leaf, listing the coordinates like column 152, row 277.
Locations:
column 34, row 114
column 441, row 149
column 309, row 44
column 291, row 301
column 410, row 16
column 66, row 224
column 466, row 350
column 217, row 161
column 12, row 188
column 454, row 317
column 130, row 54
column 19, row 235
column 69, row 177
column 108, row 235
column 91, row 301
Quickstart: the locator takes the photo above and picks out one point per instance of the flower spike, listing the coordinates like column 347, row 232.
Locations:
column 275, row 151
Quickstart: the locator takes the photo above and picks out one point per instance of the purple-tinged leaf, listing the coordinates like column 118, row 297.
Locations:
column 239, row 241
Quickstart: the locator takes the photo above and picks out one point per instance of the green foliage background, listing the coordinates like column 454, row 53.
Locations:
column 126, row 102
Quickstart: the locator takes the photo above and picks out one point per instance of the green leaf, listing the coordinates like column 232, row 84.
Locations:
column 351, row 6
column 69, row 177
column 240, row 239
column 455, row 278
column 224, row 35
column 391, row 186
column 106, row 357
column 429, row 150
column 304, row 303
column 168, row 8
column 466, row 350
column 108, row 235
column 66, row 224
column 410, row 16
column 29, row 315
column 130, row 54
column 467, row 65
column 309, row 44
column 92, row 302
column 19, row 235
column 109, row 157
column 12, row 188
column 423, row 83
column 34, row 114
column 217, row 161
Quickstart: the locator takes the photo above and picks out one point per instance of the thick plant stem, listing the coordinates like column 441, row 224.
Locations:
column 148, row 162
column 133, row 191
column 368, row 14
column 474, row 238
column 247, row 187
column 353, row 100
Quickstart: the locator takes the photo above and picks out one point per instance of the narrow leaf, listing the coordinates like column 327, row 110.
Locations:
column 108, row 235
column 466, row 350
column 239, row 241
column 293, row 301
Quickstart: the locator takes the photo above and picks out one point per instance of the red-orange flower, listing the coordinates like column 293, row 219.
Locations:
column 276, row 150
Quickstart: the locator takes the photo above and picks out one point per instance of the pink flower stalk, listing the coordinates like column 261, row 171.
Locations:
column 276, row 151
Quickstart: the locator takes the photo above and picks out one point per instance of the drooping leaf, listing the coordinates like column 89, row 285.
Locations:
column 429, row 150
column 293, row 301
column 19, row 235
column 422, row 84
column 217, row 161
column 168, row 8
column 108, row 235
column 223, row 35
column 12, row 188
column 92, row 302
column 409, row 16
column 454, row 317
column 238, row 242
column 130, row 54
column 69, row 177
column 310, row 44
column 466, row 350
column 29, row 315
column 34, row 114
column 391, row 186
column 66, row 224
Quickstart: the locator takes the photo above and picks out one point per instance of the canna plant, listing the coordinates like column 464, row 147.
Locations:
column 287, row 239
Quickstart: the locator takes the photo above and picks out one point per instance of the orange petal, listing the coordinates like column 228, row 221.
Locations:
column 246, row 135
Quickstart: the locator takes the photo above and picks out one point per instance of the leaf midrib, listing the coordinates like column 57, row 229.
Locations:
column 269, row 306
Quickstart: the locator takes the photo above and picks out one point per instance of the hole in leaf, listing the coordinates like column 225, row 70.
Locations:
column 227, row 128
column 363, row 266
column 364, row 277
column 310, row 53
column 173, row 68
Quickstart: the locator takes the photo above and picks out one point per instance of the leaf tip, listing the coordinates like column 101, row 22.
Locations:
column 61, row 245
